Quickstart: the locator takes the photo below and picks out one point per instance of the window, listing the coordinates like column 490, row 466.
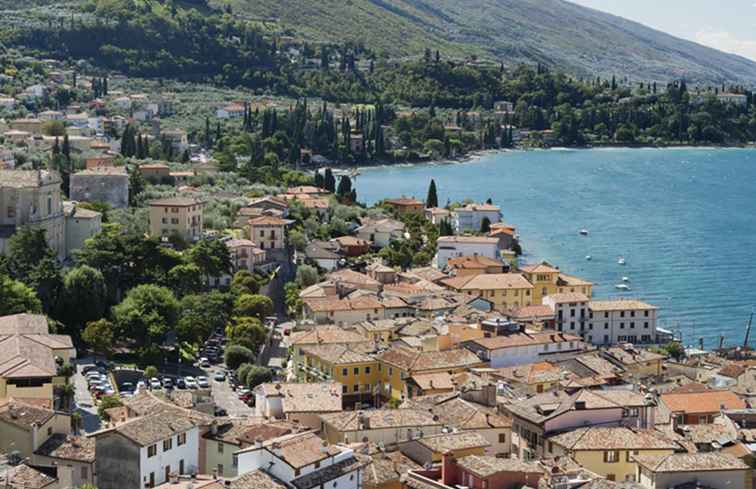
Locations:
column 49, row 431
column 391, row 371
column 344, row 389
column 84, row 473
column 502, row 437
column 606, row 325
column 356, row 370
column 151, row 450
column 220, row 447
column 632, row 314
column 181, row 439
column 611, row 477
column 367, row 370
column 49, row 204
column 167, row 444
column 11, row 212
column 645, row 313
column 220, row 469
column 622, row 325
column 611, row 456
column 622, row 314
column 344, row 372
column 632, row 325
column 630, row 454
column 356, row 388
column 606, row 315
column 645, row 325
column 152, row 479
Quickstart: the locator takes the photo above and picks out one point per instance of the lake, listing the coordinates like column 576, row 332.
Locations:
column 684, row 219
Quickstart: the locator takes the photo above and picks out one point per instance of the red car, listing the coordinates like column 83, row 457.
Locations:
column 246, row 396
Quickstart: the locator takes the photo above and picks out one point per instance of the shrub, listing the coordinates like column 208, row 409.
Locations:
column 236, row 355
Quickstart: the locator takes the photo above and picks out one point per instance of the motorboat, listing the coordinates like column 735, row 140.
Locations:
column 584, row 232
column 588, row 257
column 623, row 287
column 621, row 260
column 625, row 279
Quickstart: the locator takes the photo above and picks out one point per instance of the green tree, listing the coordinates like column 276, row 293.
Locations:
column 146, row 314
column 432, row 200
column 107, row 402
column 212, row 258
column 184, row 279
column 247, row 332
column 16, row 297
column 293, row 301
column 258, row 375
column 100, row 336
column 236, row 355
column 84, row 297
column 245, row 282
column 137, row 184
column 307, row 275
column 150, row 372
column 201, row 314
column 253, row 305
column 243, row 370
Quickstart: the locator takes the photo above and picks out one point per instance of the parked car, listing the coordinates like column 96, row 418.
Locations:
column 126, row 387
column 220, row 376
column 203, row 382
column 204, row 362
column 191, row 382
column 243, row 393
column 221, row 412
column 155, row 383
column 167, row 383
column 180, row 383
column 88, row 368
column 141, row 386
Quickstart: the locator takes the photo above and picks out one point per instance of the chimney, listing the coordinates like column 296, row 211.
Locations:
column 258, row 442
column 447, row 469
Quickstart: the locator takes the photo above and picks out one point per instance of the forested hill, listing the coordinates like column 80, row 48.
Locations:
column 554, row 32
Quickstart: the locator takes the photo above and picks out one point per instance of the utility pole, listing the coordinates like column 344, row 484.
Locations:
column 748, row 331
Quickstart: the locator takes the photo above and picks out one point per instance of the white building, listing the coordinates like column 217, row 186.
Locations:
column 621, row 321
column 738, row 99
column 302, row 403
column 456, row 246
column 303, row 460
column 382, row 232
column 523, row 348
column 714, row 470
column 7, row 103
column 145, row 451
column 470, row 217
column 571, row 313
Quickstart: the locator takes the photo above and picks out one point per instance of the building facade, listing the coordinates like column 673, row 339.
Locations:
column 180, row 217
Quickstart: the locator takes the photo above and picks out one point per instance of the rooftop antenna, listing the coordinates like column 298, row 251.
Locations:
column 748, row 331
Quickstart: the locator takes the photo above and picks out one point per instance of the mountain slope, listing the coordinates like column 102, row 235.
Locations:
column 577, row 39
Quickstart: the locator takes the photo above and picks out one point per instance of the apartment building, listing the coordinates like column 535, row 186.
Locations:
column 177, row 216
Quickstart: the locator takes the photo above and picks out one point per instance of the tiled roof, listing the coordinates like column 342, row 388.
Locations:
column 415, row 361
column 454, row 441
column 702, row 402
column 337, row 354
column 306, row 398
column 23, row 324
column 427, row 273
column 722, row 432
column 485, row 466
column 619, row 305
column 539, row 268
column 434, row 381
column 333, row 304
column 690, row 462
column 353, row 278
column 303, row 449
column 351, row 241
column 568, row 297
column 381, row 419
column 68, row 447
column 269, row 221
column 486, row 281
column 531, row 373
column 467, row 240
column 403, row 201
column 327, row 335
column 633, row 356
column 256, row 479
column 321, row 477
column 388, row 467
column 570, row 281
column 25, row 477
column 545, row 406
column 598, row 365
column 524, row 339
column 150, row 429
column 473, row 262
column 459, row 413
column 264, row 431
column 24, row 415
column 620, row 438
column 533, row 311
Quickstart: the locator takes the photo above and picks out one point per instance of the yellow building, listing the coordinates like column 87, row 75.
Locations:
column 356, row 372
column 323, row 335
column 397, row 365
column 610, row 452
column 177, row 217
column 548, row 280
column 28, row 367
column 507, row 291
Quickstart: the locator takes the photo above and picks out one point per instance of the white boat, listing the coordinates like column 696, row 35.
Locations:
column 584, row 232
column 621, row 260
column 625, row 279
column 588, row 257
column 622, row 287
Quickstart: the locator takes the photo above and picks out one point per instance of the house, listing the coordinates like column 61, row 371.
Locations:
column 381, row 331
column 32, row 198
column 101, row 161
column 349, row 280
column 324, row 335
column 303, row 461
column 699, row 407
column 25, row 426
column 476, row 472
column 505, row 290
column 505, row 233
column 343, row 311
column 405, row 205
column 245, row 255
column 72, row 456
column 231, row 435
column 638, row 362
column 436, row 215
column 156, row 173
column 26, row 477
column 524, row 347
column 430, row 449
column 610, row 451
column 531, row 378
column 28, row 367
column 470, row 218
column 622, row 321
column 387, row 426
column 81, row 224
column 399, row 364
column 355, row 371
column 538, row 417
column 535, row 314
column 323, row 254
column 712, row 470
column 456, row 246
column 474, row 265
column 381, row 232
column 739, row 99
column 270, row 202
column 145, row 451
column 571, row 312
column 351, row 246
column 108, row 185
column 7, row 159
column 269, row 232
column 301, row 404
column 547, row 280
column 177, row 216
column 382, row 273
column 234, row 109
column 386, row 468
column 178, row 139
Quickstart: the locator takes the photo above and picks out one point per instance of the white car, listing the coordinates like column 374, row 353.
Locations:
column 204, row 362
column 220, row 376
column 155, row 383
column 191, row 382
column 203, row 382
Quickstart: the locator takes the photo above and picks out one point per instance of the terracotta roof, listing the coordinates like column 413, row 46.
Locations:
column 24, row 415
column 531, row 373
column 303, row 449
column 176, row 202
column 492, row 281
column 466, row 415
column 256, row 479
column 388, row 467
column 690, row 462
column 434, row 381
column 474, row 262
column 567, row 297
column 321, row 477
column 570, row 281
column 404, row 201
column 620, row 305
column 620, row 438
column 305, row 398
column 25, row 477
column 542, row 407
column 467, row 239
column 68, row 447
column 264, row 432
column 351, row 241
column 533, row 311
column 23, row 324
column 485, row 466
column 353, row 278
column 633, row 356
column 416, row 361
column 718, row 432
column 269, row 221
column 524, row 339
column 306, row 190
column 463, row 440
column 427, row 273
column 326, row 335
column 539, row 268
column 380, row 419
column 147, row 430
column 337, row 354
column 702, row 402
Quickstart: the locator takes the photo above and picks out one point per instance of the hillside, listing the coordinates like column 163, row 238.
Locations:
column 556, row 32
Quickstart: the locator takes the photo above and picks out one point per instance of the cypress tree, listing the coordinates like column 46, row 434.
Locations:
column 330, row 181
column 432, row 200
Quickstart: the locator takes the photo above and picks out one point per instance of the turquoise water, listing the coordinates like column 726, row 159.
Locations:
column 684, row 219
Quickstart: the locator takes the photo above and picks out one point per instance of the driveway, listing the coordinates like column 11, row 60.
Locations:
column 226, row 398
column 83, row 401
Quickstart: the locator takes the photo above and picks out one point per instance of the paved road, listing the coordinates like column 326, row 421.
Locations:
column 226, row 398
column 84, row 404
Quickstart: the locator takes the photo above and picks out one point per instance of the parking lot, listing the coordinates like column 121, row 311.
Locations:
column 226, row 398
